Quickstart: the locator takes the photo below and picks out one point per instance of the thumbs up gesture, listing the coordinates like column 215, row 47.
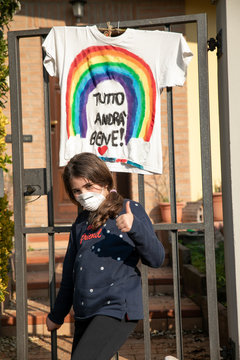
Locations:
column 124, row 222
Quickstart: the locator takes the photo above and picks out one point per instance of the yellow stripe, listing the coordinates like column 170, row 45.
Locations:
column 92, row 60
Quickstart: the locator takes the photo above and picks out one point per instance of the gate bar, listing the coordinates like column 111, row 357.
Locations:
column 144, row 273
column 174, row 234
column 165, row 21
column 21, row 230
column 19, row 202
column 49, row 181
column 160, row 226
column 207, row 190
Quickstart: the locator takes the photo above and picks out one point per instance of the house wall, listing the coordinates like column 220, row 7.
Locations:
column 34, row 15
column 48, row 13
column 197, row 7
column 228, row 13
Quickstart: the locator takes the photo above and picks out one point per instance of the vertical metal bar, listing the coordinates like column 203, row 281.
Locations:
column 49, row 183
column 207, row 190
column 144, row 271
column 174, row 234
column 19, row 207
column 52, row 291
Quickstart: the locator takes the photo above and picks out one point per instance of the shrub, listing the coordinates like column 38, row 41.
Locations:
column 4, row 158
column 6, row 244
column 6, row 224
column 198, row 261
column 7, row 10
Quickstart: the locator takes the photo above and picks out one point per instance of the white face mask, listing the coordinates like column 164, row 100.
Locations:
column 91, row 200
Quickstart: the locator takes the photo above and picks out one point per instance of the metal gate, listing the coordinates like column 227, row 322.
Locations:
column 21, row 177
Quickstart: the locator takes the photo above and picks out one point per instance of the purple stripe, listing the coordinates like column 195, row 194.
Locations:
column 132, row 102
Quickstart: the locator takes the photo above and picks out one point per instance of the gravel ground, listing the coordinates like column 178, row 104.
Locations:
column 195, row 344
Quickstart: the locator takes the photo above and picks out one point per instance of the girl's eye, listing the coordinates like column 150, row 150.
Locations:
column 76, row 191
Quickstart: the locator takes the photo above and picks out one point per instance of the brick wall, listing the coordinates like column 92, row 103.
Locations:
column 157, row 185
column 35, row 15
column 55, row 12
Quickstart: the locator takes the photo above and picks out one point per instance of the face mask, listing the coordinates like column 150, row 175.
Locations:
column 91, row 200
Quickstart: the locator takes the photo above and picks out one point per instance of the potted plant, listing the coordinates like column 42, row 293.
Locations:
column 165, row 210
column 164, row 203
column 217, row 203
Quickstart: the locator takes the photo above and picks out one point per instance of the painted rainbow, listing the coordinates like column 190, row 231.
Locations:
column 99, row 63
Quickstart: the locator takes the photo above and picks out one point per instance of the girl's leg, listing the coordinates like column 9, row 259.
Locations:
column 80, row 327
column 102, row 338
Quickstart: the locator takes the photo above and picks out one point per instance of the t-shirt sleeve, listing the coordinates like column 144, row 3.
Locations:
column 175, row 61
column 50, row 59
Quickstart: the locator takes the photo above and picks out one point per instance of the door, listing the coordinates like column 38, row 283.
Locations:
column 64, row 210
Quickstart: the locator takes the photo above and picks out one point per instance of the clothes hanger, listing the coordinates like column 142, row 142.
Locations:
column 110, row 30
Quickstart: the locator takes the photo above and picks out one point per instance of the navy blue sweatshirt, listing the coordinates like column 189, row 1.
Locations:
column 100, row 274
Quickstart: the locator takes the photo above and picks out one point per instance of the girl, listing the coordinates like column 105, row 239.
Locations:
column 100, row 275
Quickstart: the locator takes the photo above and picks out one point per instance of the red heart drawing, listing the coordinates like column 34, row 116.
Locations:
column 102, row 149
column 121, row 160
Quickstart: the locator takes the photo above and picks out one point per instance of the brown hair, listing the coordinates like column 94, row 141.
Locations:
column 89, row 166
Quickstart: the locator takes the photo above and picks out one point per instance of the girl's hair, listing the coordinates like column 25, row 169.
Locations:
column 89, row 166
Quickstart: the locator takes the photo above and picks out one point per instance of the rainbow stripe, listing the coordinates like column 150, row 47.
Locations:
column 99, row 63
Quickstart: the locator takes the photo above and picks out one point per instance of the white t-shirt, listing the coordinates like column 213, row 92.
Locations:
column 110, row 92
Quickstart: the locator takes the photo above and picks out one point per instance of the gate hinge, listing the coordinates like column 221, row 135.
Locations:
column 228, row 351
column 216, row 43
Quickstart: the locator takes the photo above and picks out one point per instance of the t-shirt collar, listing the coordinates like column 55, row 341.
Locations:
column 108, row 39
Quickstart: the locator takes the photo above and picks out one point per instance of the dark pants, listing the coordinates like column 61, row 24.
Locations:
column 100, row 337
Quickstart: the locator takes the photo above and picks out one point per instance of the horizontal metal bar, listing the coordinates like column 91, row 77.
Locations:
column 170, row 20
column 159, row 226
column 25, row 138
column 179, row 226
column 46, row 229
column 29, row 33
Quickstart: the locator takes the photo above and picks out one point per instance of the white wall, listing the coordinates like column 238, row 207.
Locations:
column 228, row 14
column 197, row 7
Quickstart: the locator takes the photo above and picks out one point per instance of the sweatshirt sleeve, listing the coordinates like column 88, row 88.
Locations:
column 143, row 235
column 64, row 298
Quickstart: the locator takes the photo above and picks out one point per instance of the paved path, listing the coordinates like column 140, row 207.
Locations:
column 195, row 347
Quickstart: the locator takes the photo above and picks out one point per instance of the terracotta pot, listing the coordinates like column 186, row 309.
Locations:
column 165, row 210
column 217, row 207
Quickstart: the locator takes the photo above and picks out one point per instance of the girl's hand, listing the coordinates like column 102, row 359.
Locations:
column 51, row 325
column 124, row 222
